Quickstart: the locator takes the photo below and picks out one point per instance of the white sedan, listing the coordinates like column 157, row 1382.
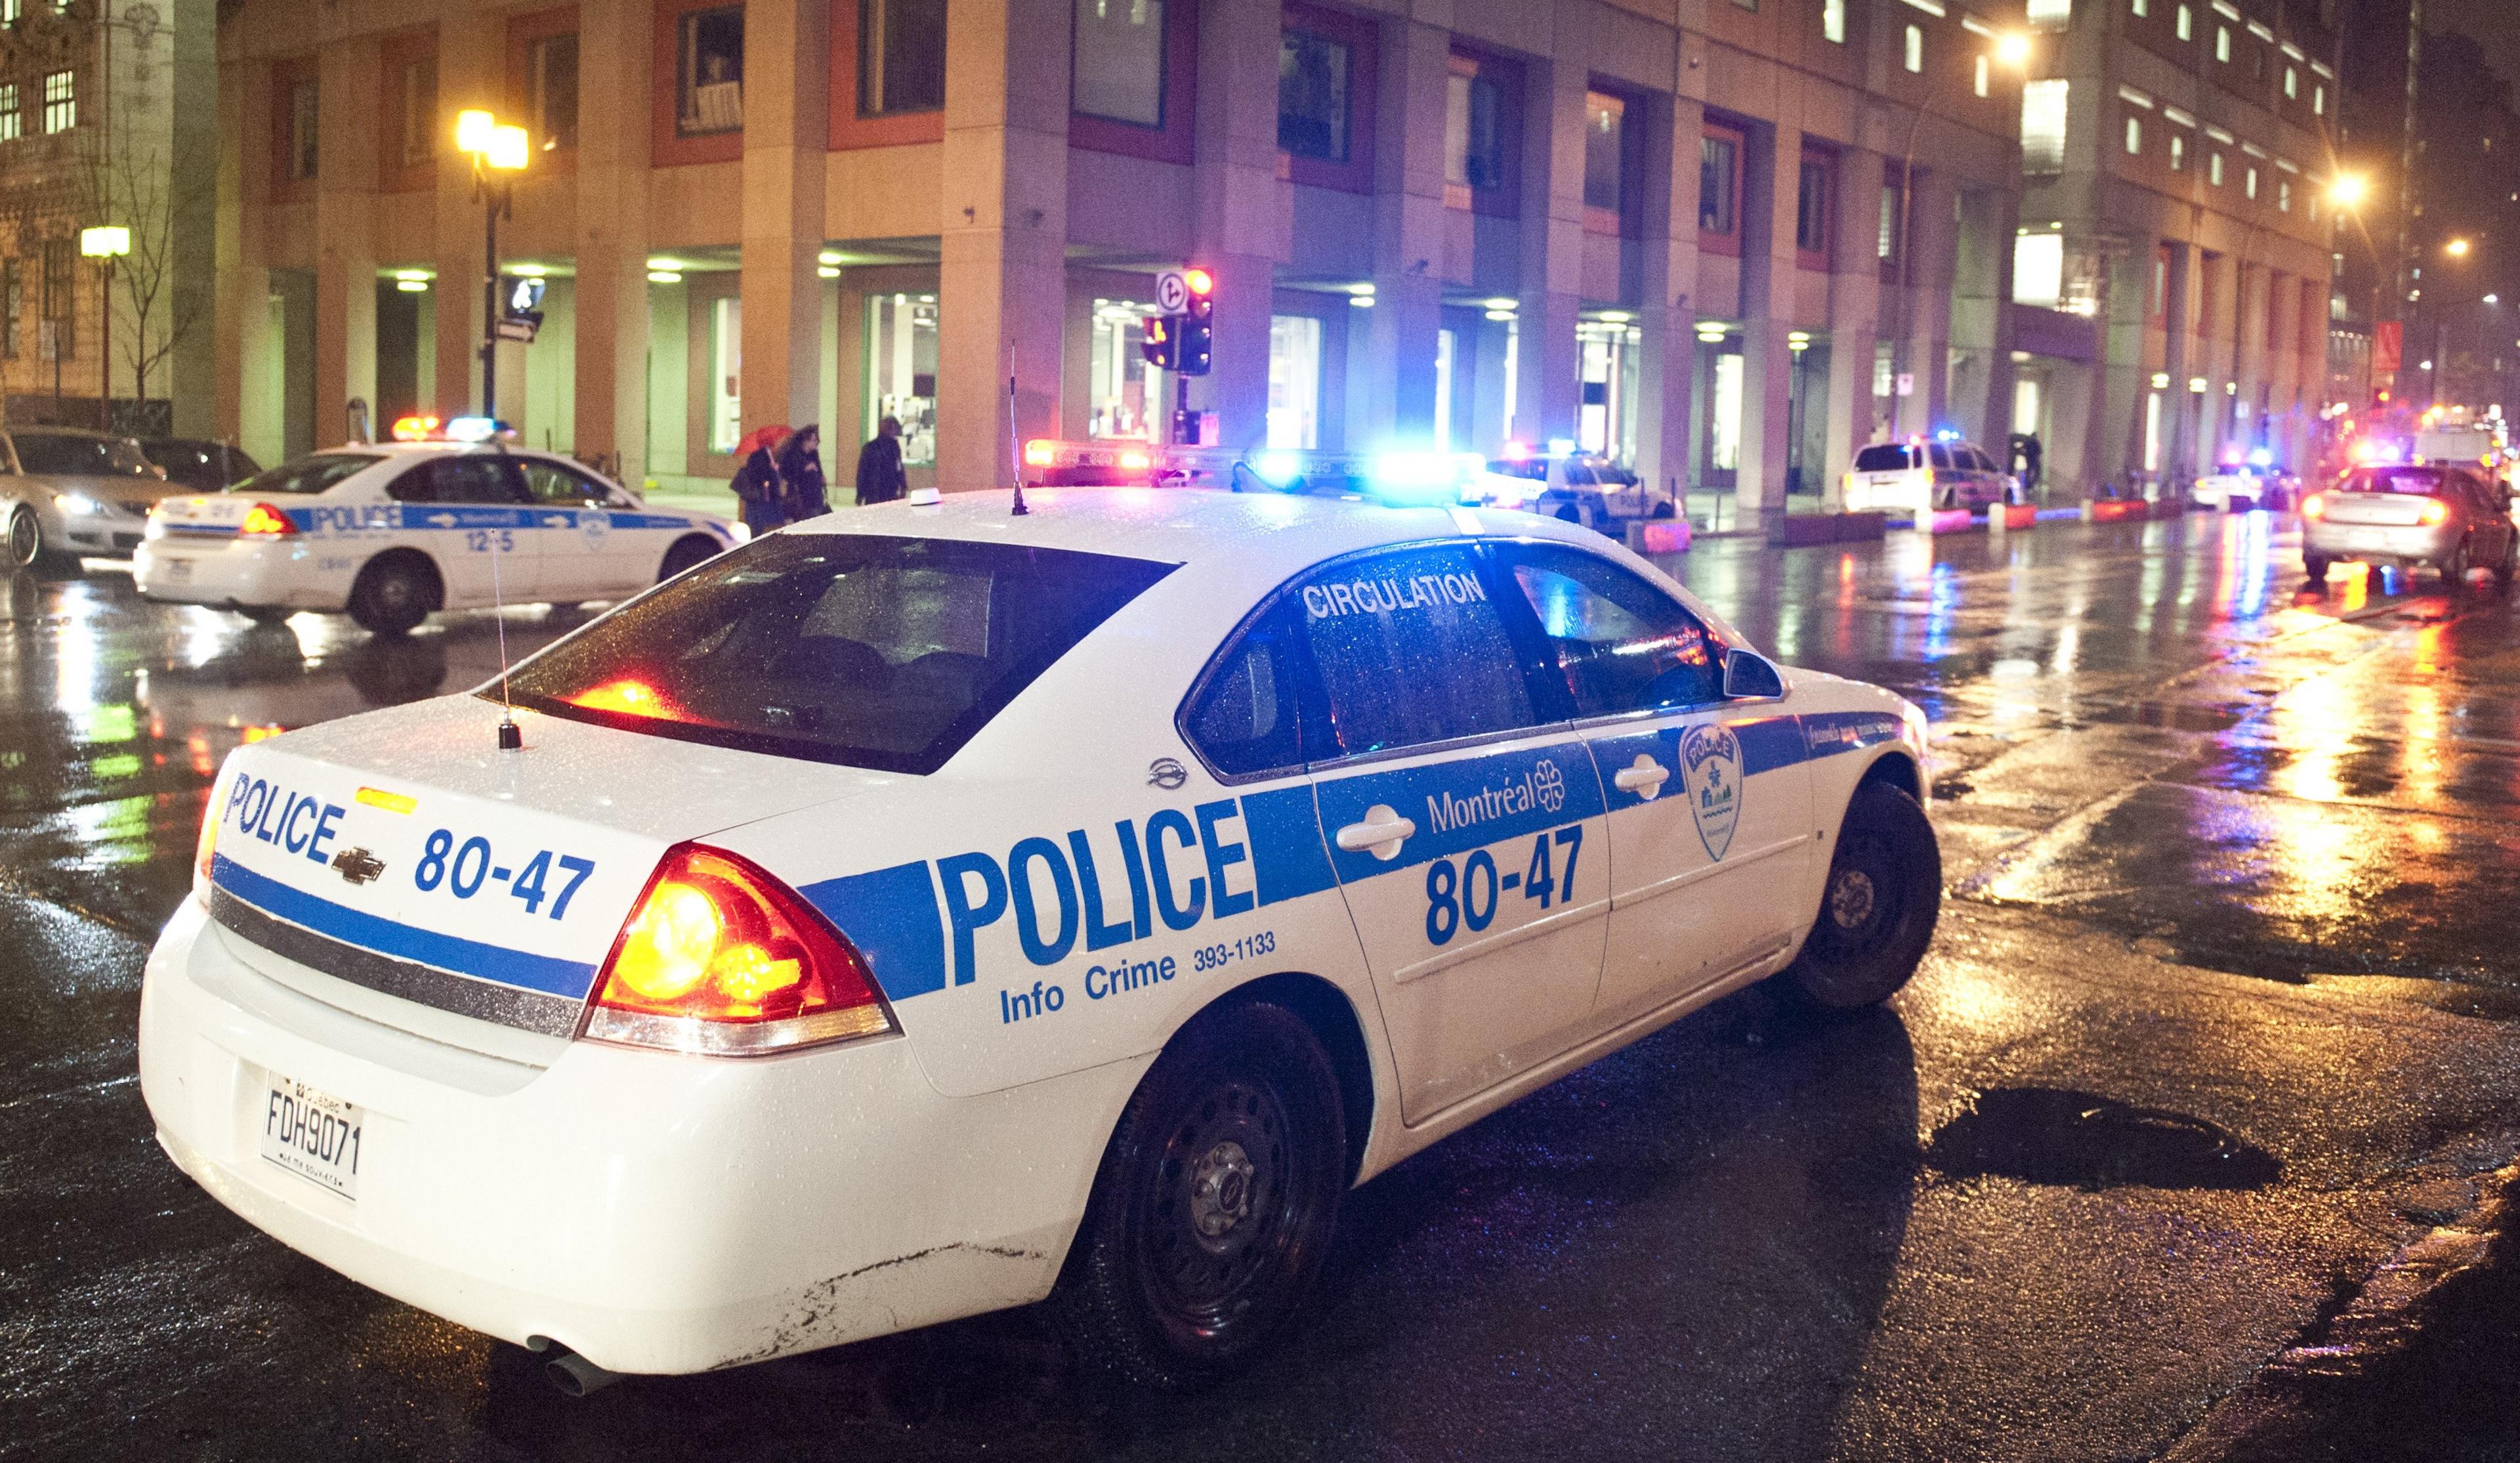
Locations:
column 390, row 533
column 2241, row 487
column 927, row 914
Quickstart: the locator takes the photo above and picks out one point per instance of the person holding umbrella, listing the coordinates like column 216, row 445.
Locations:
column 800, row 467
column 757, row 484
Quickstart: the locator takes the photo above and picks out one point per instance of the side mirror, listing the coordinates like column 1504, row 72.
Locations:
column 1751, row 676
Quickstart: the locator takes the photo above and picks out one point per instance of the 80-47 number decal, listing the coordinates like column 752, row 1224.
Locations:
column 1468, row 895
column 462, row 871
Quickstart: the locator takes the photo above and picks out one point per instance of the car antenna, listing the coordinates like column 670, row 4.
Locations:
column 511, row 738
column 1015, row 449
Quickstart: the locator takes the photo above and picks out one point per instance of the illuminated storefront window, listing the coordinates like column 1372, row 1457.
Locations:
column 1126, row 397
column 1612, row 360
column 901, row 371
column 1296, row 382
column 726, row 373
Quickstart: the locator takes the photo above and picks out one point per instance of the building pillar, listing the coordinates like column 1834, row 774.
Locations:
column 1003, row 277
column 248, row 413
column 1994, row 219
column 193, row 374
column 1666, row 278
column 1933, row 235
column 345, row 263
column 1245, row 213
column 612, row 246
column 2178, row 403
column 1855, row 314
column 1772, row 177
column 1548, row 394
column 471, row 72
column 786, row 130
column 1394, row 394
column 2115, row 446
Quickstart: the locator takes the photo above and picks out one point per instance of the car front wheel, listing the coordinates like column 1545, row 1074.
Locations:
column 26, row 539
column 1215, row 1204
column 1876, row 911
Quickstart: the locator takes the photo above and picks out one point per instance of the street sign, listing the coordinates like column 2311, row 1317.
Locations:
column 1906, row 383
column 511, row 329
column 1172, row 292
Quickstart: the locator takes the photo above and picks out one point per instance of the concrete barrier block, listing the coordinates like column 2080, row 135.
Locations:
column 1664, row 535
column 2008, row 516
column 1944, row 521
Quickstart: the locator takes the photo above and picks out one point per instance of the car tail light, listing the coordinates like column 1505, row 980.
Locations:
column 719, row 958
column 264, row 519
column 2313, row 506
column 2434, row 512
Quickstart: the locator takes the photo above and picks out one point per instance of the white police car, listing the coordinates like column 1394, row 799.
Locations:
column 390, row 531
column 911, row 917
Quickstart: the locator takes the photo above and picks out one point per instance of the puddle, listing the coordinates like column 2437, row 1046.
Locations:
column 2053, row 1135
column 2179, row 715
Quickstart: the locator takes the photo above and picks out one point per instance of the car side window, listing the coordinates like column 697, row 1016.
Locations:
column 1411, row 650
column 1580, row 475
column 556, row 486
column 1620, row 643
column 482, row 479
column 1942, row 456
column 1258, row 710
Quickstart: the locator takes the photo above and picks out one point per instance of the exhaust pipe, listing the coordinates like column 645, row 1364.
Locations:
column 572, row 1375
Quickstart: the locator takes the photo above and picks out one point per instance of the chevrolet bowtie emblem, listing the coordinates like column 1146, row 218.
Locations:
column 358, row 865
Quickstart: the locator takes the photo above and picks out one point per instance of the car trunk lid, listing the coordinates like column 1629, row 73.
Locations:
column 2390, row 510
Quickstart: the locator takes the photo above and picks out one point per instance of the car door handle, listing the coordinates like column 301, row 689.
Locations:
column 1644, row 777
column 557, row 521
column 1381, row 833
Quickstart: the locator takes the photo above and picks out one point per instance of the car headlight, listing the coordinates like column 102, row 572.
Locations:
column 77, row 504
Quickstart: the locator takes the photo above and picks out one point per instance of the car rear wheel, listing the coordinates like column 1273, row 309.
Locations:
column 2453, row 565
column 392, row 596
column 684, row 554
column 26, row 539
column 2510, row 565
column 2317, row 567
column 1215, row 1204
column 266, row 615
column 1876, row 911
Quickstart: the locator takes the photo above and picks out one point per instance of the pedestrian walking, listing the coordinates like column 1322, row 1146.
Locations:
column 757, row 487
column 800, row 461
column 880, row 475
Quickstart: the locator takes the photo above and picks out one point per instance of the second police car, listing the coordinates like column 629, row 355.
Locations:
column 389, row 532
column 931, row 913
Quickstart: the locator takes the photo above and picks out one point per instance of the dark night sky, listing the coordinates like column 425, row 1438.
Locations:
column 2492, row 24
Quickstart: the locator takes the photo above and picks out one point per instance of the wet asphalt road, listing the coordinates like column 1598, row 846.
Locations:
column 2214, row 1054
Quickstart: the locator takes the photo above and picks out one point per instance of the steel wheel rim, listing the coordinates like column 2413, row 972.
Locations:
column 1219, row 1214
column 24, row 538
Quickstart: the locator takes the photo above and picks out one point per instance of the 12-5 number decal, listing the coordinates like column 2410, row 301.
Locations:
column 463, row 869
column 1468, row 895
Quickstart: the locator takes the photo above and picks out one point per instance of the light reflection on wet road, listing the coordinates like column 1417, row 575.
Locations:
column 2221, row 985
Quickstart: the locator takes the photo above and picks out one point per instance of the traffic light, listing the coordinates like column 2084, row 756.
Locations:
column 1158, row 346
column 1198, row 332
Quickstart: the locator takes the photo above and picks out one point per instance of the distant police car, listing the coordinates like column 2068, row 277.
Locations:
column 389, row 532
column 2245, row 486
column 903, row 918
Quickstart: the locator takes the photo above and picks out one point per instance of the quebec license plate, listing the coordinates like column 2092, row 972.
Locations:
column 179, row 570
column 2368, row 538
column 311, row 1134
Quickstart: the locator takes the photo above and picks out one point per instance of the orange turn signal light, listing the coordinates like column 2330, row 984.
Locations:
column 264, row 518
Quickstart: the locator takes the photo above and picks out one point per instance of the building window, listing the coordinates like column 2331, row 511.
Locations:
column 2292, row 84
column 1119, row 68
column 1605, row 160
column 2214, row 168
column 2039, row 268
column 2051, row 15
column 1810, row 208
column 2186, row 24
column 551, row 91
column 298, row 159
column 419, row 103
column 2251, row 186
column 61, row 312
column 2157, row 304
column 2318, row 100
column 1887, row 247
column 2043, row 126
column 726, row 373
column 2258, row 62
column 2141, row 7
column 1295, row 383
column 1474, row 131
column 1983, row 69
column 12, row 296
column 901, row 372
column 1312, row 95
column 1915, row 52
column 710, row 72
column 901, row 57
column 1832, row 21
column 2221, row 43
column 1718, row 182
column 2283, row 195
column 2134, row 136
column 11, row 125
column 61, row 111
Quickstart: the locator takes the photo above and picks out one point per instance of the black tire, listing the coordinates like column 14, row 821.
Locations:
column 1877, row 908
column 686, row 553
column 2317, row 566
column 24, row 541
column 394, row 595
column 2453, row 568
column 1214, row 1208
column 265, row 614
column 2510, row 565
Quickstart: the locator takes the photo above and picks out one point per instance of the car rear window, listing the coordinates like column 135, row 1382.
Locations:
column 307, row 475
column 868, row 651
column 1882, row 460
column 2423, row 481
column 88, row 456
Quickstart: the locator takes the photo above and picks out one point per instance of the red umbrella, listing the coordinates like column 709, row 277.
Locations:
column 762, row 436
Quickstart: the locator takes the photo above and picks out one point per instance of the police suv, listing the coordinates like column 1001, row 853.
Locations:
column 905, row 918
column 389, row 532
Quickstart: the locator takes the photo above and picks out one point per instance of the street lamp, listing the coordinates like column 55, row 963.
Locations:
column 498, row 152
column 2011, row 50
column 106, row 242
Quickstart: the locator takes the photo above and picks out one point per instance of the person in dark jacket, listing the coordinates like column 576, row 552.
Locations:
column 756, row 485
column 880, row 475
column 801, row 467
